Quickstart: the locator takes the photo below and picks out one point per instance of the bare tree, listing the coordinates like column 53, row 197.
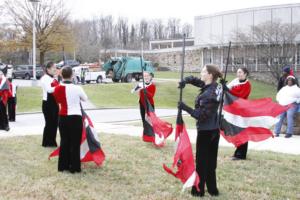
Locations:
column 187, row 29
column 52, row 26
column 275, row 43
column 174, row 28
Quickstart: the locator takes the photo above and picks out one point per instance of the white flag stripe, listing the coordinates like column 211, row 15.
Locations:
column 84, row 149
column 190, row 182
column 245, row 122
column 159, row 140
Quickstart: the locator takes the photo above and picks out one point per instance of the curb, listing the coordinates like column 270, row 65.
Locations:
column 106, row 108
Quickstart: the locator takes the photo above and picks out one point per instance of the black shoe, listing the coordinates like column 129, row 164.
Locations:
column 288, row 135
column 214, row 192
column 7, row 128
column 195, row 193
column 237, row 158
column 276, row 135
column 75, row 171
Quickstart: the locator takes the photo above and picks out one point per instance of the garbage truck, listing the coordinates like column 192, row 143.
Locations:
column 125, row 69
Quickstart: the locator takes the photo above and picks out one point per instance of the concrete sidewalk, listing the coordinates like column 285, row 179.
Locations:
column 276, row 144
column 115, row 121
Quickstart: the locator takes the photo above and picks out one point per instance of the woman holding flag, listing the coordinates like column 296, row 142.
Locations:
column 240, row 87
column 206, row 114
column 148, row 134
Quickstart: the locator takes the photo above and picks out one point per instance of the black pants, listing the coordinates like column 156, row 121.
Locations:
column 3, row 116
column 148, row 130
column 50, row 111
column 241, row 151
column 11, row 104
column 70, row 128
column 206, row 159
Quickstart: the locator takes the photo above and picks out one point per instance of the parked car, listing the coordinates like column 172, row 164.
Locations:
column 89, row 75
column 4, row 68
column 2, row 65
column 26, row 72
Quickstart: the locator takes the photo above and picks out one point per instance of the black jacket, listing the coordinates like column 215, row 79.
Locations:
column 206, row 105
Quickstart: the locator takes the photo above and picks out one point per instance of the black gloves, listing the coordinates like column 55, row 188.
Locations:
column 181, row 84
column 185, row 81
column 224, row 86
column 184, row 107
column 188, row 79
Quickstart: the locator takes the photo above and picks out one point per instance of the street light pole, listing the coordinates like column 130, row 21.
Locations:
column 34, row 2
column 142, row 45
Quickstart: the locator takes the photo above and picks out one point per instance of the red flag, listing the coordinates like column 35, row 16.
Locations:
column 248, row 120
column 157, row 129
column 90, row 148
column 184, row 160
column 162, row 129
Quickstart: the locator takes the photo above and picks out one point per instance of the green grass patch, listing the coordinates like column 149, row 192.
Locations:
column 172, row 74
column 29, row 99
column 118, row 94
column 133, row 170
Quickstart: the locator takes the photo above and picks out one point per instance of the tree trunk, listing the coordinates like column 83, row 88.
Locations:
column 42, row 57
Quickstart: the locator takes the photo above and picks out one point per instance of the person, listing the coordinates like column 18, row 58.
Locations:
column 12, row 101
column 82, row 75
column 286, row 71
column 289, row 94
column 148, row 134
column 4, row 94
column 206, row 114
column 69, row 97
column 49, row 106
column 240, row 87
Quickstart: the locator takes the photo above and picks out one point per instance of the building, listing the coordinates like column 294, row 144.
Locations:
column 163, row 44
column 213, row 32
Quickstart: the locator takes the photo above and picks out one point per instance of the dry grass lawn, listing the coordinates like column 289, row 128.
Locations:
column 133, row 170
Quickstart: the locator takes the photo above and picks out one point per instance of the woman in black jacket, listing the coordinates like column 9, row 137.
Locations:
column 206, row 114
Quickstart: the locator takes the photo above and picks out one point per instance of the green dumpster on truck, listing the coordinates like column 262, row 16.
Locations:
column 126, row 68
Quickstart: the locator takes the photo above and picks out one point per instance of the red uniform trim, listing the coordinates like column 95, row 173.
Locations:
column 61, row 99
column 150, row 94
column 241, row 90
column 147, row 138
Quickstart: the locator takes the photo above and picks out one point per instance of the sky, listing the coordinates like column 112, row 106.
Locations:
column 135, row 10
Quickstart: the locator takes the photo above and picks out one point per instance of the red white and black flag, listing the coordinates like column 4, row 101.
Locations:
column 155, row 129
column 248, row 120
column 90, row 148
column 183, row 158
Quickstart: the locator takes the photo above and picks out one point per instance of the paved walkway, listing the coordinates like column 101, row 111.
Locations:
column 116, row 121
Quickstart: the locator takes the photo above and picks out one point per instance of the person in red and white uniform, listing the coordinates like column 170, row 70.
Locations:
column 12, row 101
column 240, row 87
column 69, row 97
column 49, row 106
column 4, row 94
column 148, row 134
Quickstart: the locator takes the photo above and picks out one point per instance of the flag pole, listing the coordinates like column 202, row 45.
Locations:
column 225, row 75
column 179, row 115
column 144, row 89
